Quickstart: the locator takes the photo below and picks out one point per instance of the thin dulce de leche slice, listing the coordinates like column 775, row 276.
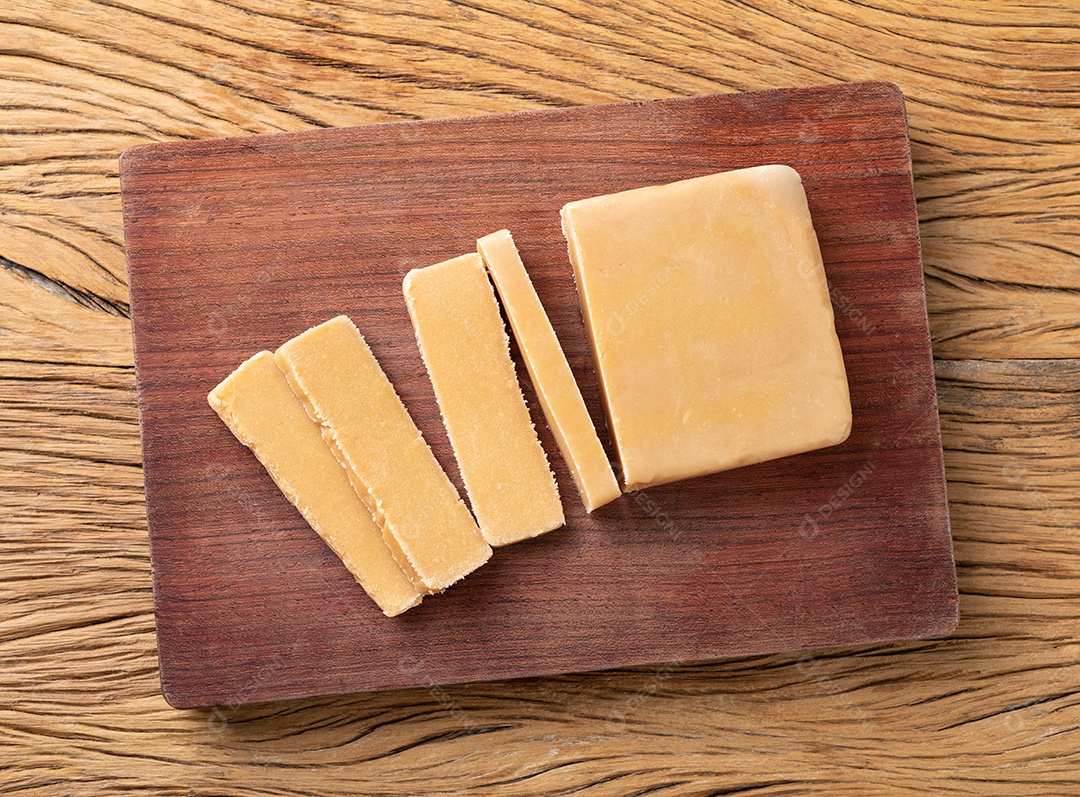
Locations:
column 260, row 409
column 466, row 350
column 424, row 522
column 554, row 382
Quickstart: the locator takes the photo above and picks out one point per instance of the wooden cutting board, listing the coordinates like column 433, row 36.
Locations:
column 235, row 245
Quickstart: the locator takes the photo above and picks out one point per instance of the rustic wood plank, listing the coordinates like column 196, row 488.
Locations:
column 992, row 95
column 235, row 246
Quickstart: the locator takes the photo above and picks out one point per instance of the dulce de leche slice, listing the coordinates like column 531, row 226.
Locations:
column 424, row 522
column 710, row 322
column 558, row 392
column 465, row 348
column 260, row 409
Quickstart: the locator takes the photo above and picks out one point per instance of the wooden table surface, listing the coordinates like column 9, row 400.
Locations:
column 993, row 94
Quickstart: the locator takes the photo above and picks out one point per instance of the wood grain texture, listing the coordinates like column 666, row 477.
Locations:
column 236, row 245
column 993, row 107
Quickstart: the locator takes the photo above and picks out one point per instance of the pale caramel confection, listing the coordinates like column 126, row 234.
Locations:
column 424, row 522
column 710, row 322
column 551, row 376
column 259, row 407
column 465, row 348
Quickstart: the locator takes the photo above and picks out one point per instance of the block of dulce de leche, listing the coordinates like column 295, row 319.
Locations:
column 425, row 523
column 710, row 323
column 260, row 409
column 558, row 392
column 466, row 351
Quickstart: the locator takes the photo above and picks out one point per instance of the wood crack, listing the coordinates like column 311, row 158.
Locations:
column 90, row 301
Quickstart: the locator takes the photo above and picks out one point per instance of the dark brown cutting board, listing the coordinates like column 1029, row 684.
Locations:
column 235, row 245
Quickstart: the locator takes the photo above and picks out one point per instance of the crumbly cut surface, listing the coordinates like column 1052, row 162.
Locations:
column 424, row 521
column 466, row 351
column 260, row 409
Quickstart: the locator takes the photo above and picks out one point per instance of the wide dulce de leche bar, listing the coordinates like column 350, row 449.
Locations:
column 550, row 373
column 260, row 409
column 465, row 348
column 710, row 322
column 424, row 522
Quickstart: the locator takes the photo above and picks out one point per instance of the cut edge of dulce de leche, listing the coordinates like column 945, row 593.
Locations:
column 257, row 405
column 425, row 523
column 710, row 323
column 465, row 350
column 554, row 383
